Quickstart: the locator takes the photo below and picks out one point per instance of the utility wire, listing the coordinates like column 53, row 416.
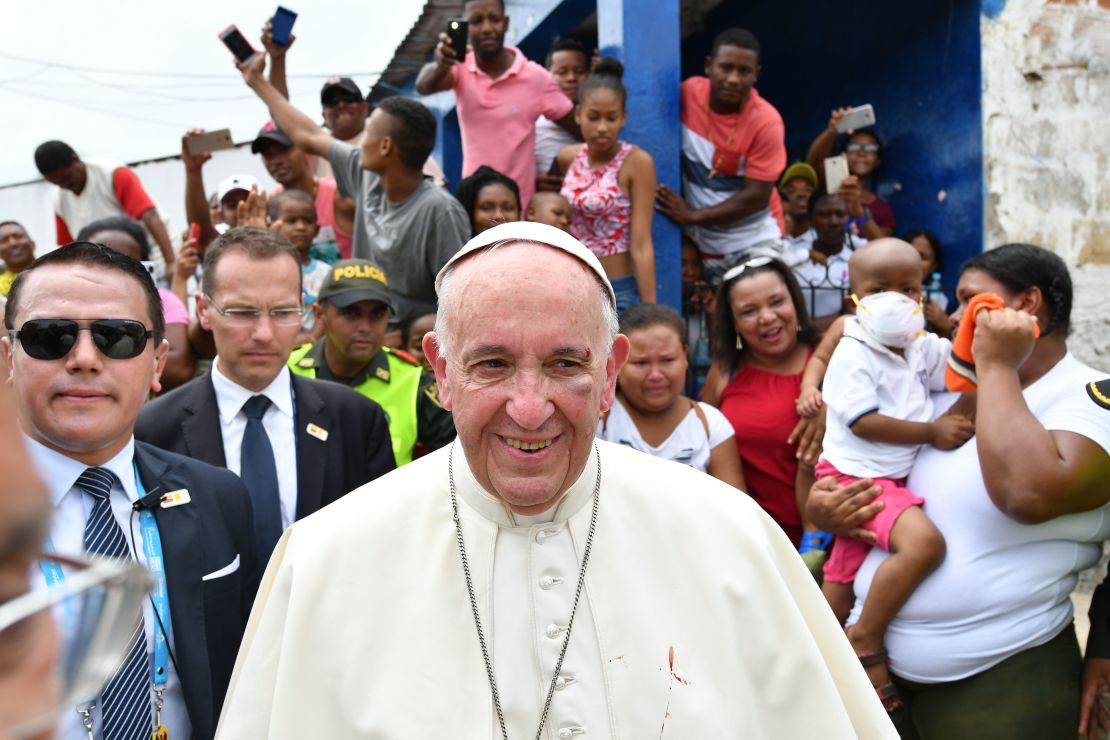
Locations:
column 187, row 75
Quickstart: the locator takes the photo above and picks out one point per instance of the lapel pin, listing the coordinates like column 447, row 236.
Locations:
column 318, row 432
column 175, row 498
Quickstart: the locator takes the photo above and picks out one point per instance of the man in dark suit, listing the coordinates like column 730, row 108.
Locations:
column 297, row 443
column 85, row 346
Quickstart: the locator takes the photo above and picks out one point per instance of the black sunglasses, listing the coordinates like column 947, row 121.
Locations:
column 335, row 100
column 52, row 339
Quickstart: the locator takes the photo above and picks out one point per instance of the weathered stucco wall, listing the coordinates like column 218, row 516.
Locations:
column 1046, row 145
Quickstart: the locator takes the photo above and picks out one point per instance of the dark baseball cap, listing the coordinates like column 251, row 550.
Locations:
column 270, row 132
column 353, row 281
column 337, row 85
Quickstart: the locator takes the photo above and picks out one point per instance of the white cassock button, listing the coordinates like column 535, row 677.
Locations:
column 552, row 631
column 547, row 582
column 566, row 732
column 563, row 681
column 541, row 536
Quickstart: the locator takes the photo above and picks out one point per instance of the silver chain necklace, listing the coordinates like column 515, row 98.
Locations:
column 474, row 601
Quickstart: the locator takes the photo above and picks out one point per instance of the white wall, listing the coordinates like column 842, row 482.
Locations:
column 1046, row 148
column 164, row 180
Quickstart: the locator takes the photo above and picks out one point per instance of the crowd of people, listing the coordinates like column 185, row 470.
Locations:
column 923, row 473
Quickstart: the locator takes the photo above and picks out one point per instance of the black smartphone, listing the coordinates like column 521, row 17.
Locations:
column 458, row 30
column 237, row 43
column 282, row 25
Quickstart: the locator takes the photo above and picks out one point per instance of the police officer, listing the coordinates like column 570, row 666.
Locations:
column 353, row 307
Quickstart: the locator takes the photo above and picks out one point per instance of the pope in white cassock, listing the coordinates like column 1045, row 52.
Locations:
column 529, row 581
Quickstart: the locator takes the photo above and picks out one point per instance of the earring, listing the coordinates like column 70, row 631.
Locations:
column 739, row 344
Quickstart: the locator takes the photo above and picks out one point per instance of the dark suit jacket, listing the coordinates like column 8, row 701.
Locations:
column 357, row 449
column 200, row 538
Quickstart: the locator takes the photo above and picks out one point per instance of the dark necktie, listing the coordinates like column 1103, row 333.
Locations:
column 259, row 473
column 125, row 700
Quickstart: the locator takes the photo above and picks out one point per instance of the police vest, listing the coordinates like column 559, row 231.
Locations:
column 396, row 397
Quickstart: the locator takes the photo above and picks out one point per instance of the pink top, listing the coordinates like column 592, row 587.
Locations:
column 602, row 217
column 497, row 117
column 173, row 310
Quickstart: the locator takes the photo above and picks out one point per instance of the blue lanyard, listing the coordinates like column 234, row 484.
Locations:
column 152, row 548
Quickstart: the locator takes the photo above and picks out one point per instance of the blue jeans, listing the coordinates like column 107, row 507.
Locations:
column 628, row 295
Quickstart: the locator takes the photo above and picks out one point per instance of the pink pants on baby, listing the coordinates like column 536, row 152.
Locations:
column 848, row 553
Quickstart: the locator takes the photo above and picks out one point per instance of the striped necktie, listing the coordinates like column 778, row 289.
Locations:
column 125, row 700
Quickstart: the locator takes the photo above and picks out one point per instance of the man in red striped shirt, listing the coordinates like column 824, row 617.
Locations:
column 92, row 189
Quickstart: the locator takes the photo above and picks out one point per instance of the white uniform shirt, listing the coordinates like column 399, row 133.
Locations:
column 824, row 286
column 72, row 508
column 1003, row 586
column 688, row 444
column 865, row 377
column 278, row 422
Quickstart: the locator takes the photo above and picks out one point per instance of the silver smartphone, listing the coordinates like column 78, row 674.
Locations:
column 857, row 118
column 836, row 169
column 209, row 141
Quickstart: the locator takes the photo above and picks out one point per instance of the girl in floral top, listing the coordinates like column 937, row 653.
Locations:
column 611, row 186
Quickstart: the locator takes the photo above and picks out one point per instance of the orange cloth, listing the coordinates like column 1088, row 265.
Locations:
column 959, row 376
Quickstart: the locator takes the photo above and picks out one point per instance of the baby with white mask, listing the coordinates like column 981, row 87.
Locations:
column 878, row 389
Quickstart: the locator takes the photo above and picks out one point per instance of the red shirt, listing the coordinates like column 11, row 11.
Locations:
column 760, row 407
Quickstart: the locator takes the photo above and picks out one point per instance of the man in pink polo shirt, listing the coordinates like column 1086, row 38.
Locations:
column 499, row 94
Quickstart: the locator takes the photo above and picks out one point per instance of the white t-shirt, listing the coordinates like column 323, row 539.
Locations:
column 1003, row 586
column 824, row 286
column 865, row 377
column 688, row 444
column 550, row 138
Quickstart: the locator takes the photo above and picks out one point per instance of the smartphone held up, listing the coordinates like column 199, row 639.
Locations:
column 457, row 32
column 282, row 25
column 238, row 45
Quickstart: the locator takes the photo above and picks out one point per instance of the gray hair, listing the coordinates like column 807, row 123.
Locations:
column 609, row 317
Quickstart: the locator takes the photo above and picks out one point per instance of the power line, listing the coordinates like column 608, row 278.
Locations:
column 186, row 75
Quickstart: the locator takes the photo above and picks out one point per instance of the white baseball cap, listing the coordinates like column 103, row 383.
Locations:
column 235, row 182
column 531, row 231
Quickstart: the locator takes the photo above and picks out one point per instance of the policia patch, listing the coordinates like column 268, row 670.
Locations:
column 1099, row 391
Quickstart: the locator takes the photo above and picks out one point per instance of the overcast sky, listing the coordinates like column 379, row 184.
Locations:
column 123, row 79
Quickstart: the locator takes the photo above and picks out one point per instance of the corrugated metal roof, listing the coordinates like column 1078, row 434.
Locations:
column 412, row 53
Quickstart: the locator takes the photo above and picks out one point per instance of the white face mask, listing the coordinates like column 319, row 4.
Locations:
column 893, row 319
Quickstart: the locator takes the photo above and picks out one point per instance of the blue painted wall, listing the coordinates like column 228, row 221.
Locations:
column 917, row 63
column 645, row 38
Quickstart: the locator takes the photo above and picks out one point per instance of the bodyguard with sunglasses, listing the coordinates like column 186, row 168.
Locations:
column 85, row 346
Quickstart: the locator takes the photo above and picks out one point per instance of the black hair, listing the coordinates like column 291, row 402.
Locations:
column 469, row 187
column 52, row 156
column 934, row 242
column 723, row 340
column 566, row 45
column 741, row 38
column 84, row 255
column 413, row 130
column 255, row 243
column 647, row 315
column 1020, row 267
column 606, row 74
column 816, row 197
column 467, row 2
column 279, row 200
column 407, row 324
column 128, row 226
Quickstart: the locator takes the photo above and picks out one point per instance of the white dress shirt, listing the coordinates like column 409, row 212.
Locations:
column 278, row 423
column 67, row 535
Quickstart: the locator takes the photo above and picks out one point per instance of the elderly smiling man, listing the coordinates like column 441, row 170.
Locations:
column 529, row 581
